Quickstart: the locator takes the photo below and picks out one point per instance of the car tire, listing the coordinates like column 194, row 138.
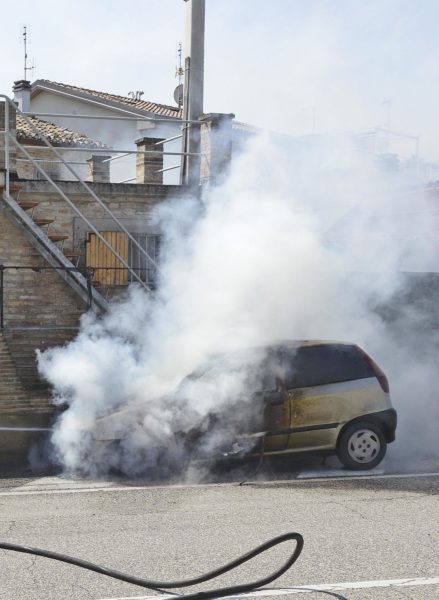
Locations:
column 361, row 446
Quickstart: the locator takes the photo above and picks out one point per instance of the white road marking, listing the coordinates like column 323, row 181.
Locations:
column 68, row 486
column 24, row 429
column 356, row 477
column 62, row 483
column 325, row 473
column 309, row 589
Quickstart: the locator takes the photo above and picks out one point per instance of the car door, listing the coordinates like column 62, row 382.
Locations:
column 314, row 403
column 277, row 418
column 275, row 403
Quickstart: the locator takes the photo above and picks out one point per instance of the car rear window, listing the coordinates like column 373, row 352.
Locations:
column 319, row 365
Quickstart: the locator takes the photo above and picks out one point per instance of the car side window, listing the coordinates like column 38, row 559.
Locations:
column 309, row 366
column 269, row 379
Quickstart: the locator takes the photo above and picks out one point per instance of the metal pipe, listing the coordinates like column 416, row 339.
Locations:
column 6, row 140
column 98, row 117
column 107, row 150
column 62, row 268
column 57, row 162
column 115, row 157
column 2, row 270
column 167, row 169
column 127, row 180
column 88, row 277
column 176, row 137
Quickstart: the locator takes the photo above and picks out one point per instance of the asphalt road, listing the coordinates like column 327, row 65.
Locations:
column 378, row 536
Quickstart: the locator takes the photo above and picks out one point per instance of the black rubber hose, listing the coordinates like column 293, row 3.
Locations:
column 167, row 585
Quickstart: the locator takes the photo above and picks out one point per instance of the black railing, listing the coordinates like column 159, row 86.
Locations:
column 87, row 272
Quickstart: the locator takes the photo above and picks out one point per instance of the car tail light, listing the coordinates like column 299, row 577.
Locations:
column 379, row 373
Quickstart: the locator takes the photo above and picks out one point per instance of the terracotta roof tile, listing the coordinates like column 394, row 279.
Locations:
column 57, row 135
column 163, row 110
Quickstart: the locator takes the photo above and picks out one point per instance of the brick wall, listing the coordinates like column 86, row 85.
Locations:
column 40, row 309
column 124, row 200
column 49, row 162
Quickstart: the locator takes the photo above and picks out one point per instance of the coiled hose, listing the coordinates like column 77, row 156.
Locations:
column 163, row 586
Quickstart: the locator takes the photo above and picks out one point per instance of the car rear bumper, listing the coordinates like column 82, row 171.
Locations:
column 388, row 420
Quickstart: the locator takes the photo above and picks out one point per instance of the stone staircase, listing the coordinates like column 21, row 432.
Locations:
column 12, row 395
column 24, row 419
column 50, row 244
column 14, row 398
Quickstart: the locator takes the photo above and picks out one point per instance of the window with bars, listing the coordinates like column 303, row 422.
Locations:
column 109, row 271
column 144, row 266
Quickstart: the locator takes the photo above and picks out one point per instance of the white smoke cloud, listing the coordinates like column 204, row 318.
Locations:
column 289, row 247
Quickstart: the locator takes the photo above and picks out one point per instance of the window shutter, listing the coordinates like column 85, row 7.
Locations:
column 108, row 269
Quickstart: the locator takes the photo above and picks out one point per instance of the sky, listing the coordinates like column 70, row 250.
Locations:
column 296, row 66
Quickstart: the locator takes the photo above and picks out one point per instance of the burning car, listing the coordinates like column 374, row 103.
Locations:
column 300, row 397
column 289, row 398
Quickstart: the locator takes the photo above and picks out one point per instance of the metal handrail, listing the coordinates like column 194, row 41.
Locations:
column 111, row 151
column 38, row 269
column 128, row 180
column 114, row 157
column 8, row 102
column 98, row 117
column 175, row 137
column 168, row 168
column 76, row 209
column 56, row 162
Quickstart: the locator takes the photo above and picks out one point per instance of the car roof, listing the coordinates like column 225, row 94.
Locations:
column 278, row 346
column 299, row 343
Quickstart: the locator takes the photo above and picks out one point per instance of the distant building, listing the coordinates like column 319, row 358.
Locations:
column 61, row 138
column 117, row 125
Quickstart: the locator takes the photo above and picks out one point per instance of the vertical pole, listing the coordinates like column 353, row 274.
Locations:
column 194, row 89
column 88, row 275
column 7, row 161
column 2, row 270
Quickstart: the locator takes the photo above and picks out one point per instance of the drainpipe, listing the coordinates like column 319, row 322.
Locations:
column 193, row 89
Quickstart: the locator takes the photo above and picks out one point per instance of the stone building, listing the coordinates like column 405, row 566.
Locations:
column 131, row 123
column 121, row 122
column 64, row 246
column 73, row 235
column 75, row 148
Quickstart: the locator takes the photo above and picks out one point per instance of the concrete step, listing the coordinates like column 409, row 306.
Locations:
column 43, row 222
column 27, row 204
column 58, row 237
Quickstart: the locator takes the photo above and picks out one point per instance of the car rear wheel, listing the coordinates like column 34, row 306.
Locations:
column 361, row 446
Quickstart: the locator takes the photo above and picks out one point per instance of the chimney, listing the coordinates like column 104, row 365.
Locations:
column 22, row 91
column 148, row 164
column 98, row 170
column 216, row 146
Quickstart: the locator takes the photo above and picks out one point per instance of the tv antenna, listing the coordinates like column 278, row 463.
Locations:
column 179, row 73
column 25, row 40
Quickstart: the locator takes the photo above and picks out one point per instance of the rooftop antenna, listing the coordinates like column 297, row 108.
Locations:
column 26, row 68
column 179, row 73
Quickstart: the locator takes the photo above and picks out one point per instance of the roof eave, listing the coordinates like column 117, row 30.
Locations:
column 42, row 86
